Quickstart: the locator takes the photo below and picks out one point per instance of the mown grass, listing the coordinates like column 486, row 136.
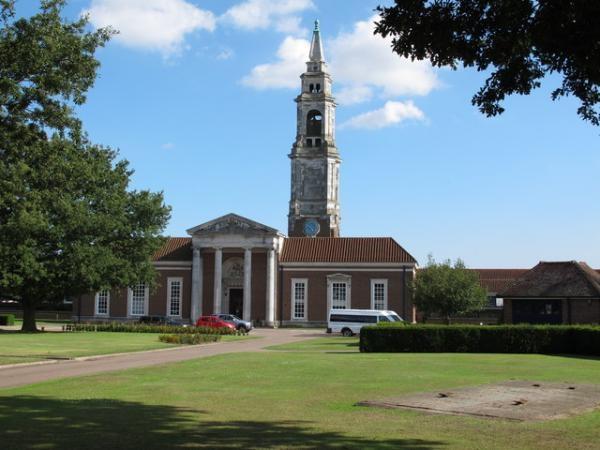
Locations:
column 300, row 396
column 28, row 347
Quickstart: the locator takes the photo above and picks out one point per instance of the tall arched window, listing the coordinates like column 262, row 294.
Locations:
column 314, row 123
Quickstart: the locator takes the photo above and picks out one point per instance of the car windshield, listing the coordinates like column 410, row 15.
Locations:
column 395, row 318
column 235, row 317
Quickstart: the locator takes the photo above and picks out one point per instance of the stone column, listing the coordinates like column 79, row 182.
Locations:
column 247, row 284
column 270, row 318
column 197, row 283
column 218, row 280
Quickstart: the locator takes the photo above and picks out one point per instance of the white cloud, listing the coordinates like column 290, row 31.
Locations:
column 168, row 146
column 226, row 53
column 392, row 113
column 350, row 95
column 262, row 14
column 284, row 73
column 362, row 64
column 360, row 59
column 156, row 25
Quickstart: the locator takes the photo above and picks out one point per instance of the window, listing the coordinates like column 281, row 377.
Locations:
column 317, row 142
column 338, row 291
column 174, row 286
column 314, row 123
column 352, row 318
column 338, row 296
column 311, row 88
column 379, row 294
column 102, row 298
column 309, row 142
column 318, row 88
column 299, row 288
column 138, row 299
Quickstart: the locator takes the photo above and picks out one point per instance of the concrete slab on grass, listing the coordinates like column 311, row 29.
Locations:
column 512, row 400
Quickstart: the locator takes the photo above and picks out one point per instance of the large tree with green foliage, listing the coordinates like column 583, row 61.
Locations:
column 69, row 223
column 518, row 41
column 447, row 289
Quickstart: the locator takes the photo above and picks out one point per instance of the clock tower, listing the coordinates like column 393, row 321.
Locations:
column 314, row 203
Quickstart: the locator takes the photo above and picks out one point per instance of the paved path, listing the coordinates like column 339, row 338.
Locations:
column 35, row 373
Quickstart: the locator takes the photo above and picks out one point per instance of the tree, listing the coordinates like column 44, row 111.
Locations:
column 69, row 224
column 520, row 41
column 447, row 289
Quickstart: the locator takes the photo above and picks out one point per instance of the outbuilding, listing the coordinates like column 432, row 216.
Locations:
column 563, row 292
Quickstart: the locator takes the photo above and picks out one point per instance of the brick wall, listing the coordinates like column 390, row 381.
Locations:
column 360, row 296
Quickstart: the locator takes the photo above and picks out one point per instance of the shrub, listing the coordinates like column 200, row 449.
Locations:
column 556, row 339
column 7, row 319
column 122, row 327
column 189, row 339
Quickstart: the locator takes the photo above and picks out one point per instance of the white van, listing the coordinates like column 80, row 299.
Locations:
column 350, row 321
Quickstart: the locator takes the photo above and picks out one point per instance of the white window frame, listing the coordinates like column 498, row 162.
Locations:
column 97, row 303
column 293, row 299
column 170, row 281
column 341, row 279
column 374, row 282
column 130, row 301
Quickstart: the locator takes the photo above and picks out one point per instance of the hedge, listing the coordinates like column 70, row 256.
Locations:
column 122, row 327
column 549, row 339
column 7, row 319
column 190, row 339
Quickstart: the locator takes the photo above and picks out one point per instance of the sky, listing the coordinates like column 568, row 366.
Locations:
column 198, row 96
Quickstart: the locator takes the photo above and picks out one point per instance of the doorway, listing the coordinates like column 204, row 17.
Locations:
column 236, row 301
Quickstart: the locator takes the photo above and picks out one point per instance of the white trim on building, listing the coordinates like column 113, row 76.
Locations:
column 174, row 294
column 135, row 300
column 299, row 299
column 102, row 303
column 379, row 293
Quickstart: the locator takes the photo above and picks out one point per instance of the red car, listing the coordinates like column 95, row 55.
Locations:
column 213, row 322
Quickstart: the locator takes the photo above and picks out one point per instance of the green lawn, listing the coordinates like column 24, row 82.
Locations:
column 301, row 398
column 28, row 347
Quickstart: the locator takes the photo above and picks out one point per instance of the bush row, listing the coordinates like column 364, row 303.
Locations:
column 190, row 339
column 122, row 327
column 7, row 319
column 555, row 339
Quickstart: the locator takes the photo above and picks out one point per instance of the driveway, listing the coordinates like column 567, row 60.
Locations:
column 35, row 373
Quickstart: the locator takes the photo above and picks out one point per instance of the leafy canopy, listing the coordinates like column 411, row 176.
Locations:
column 69, row 223
column 447, row 289
column 519, row 41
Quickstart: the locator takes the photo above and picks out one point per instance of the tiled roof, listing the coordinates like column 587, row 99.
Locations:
column 556, row 279
column 495, row 280
column 344, row 250
column 174, row 249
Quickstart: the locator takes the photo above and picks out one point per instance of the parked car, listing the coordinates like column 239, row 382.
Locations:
column 350, row 321
column 213, row 322
column 240, row 324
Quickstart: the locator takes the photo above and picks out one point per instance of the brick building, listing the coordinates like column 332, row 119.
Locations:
column 564, row 292
column 235, row 265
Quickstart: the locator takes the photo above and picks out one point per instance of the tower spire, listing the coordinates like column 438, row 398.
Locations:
column 314, row 201
column 316, row 47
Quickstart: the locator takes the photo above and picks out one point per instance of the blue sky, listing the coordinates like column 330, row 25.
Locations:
column 198, row 96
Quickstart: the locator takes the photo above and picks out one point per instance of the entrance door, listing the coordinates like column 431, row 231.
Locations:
column 236, row 302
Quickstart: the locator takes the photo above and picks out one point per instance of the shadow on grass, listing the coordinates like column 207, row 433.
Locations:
column 41, row 422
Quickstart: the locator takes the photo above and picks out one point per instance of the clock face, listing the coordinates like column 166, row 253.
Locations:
column 311, row 228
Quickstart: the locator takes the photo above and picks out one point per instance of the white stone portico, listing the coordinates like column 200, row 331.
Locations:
column 233, row 234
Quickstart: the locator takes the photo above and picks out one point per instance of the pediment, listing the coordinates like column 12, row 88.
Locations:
column 232, row 224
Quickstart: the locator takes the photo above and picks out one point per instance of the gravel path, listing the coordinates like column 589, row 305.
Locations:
column 20, row 375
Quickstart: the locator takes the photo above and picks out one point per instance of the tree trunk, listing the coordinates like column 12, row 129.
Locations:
column 28, row 316
column 447, row 319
